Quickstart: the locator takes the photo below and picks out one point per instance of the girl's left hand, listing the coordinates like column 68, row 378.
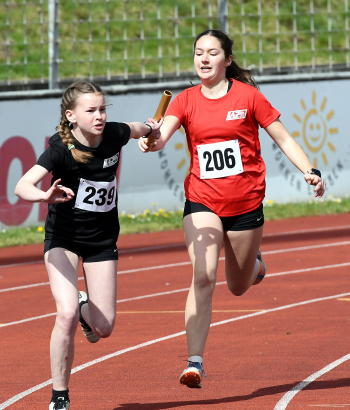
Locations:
column 318, row 182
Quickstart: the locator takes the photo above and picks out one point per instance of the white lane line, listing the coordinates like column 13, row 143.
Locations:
column 283, row 403
column 302, row 248
column 313, row 230
column 145, row 249
column 13, row 265
column 150, row 248
column 17, row 322
column 339, row 265
column 20, row 396
column 172, row 265
column 305, row 248
column 30, row 286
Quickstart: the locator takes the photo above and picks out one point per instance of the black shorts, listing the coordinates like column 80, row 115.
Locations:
column 88, row 253
column 244, row 222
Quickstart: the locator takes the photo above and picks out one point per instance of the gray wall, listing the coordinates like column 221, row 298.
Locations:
column 315, row 112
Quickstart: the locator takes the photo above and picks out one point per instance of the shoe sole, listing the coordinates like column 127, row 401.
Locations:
column 89, row 334
column 191, row 379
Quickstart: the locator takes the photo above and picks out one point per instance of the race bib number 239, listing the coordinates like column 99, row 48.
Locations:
column 96, row 196
column 219, row 160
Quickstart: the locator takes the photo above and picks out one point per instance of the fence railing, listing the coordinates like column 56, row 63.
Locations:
column 55, row 40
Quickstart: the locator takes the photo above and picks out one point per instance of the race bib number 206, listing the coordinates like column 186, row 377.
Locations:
column 221, row 159
column 96, row 196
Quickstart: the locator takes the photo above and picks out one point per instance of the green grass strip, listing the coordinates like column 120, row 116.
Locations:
column 161, row 220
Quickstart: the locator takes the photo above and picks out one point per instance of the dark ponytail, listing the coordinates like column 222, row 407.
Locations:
column 232, row 71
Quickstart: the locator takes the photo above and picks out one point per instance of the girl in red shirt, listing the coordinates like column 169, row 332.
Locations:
column 226, row 183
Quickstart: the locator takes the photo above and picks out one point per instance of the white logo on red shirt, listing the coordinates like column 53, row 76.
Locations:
column 236, row 115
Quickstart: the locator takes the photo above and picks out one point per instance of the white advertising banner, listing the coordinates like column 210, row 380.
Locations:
column 315, row 113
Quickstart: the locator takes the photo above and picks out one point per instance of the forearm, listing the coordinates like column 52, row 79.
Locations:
column 296, row 155
column 138, row 129
column 29, row 192
column 160, row 145
column 286, row 142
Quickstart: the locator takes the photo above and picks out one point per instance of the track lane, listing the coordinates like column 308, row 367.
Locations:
column 281, row 288
column 268, row 338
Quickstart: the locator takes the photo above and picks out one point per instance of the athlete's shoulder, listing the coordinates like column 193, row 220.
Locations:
column 194, row 88
column 186, row 97
column 191, row 90
column 112, row 126
column 56, row 142
column 116, row 133
column 116, row 127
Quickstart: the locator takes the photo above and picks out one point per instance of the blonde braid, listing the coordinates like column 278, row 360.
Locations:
column 68, row 102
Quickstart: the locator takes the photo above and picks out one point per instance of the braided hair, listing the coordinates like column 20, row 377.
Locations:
column 232, row 71
column 68, row 102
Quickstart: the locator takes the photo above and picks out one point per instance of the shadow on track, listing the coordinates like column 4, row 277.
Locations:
column 266, row 391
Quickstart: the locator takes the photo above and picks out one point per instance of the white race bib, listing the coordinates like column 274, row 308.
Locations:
column 96, row 196
column 221, row 159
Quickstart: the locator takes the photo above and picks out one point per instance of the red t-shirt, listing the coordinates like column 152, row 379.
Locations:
column 235, row 116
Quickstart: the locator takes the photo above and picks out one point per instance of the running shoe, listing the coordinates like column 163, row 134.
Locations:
column 59, row 403
column 262, row 271
column 88, row 333
column 192, row 376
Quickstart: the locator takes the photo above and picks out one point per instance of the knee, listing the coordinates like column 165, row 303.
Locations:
column 67, row 319
column 103, row 329
column 237, row 289
column 205, row 281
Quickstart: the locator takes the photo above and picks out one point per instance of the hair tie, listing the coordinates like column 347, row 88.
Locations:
column 70, row 146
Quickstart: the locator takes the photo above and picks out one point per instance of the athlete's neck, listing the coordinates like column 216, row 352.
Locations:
column 91, row 141
column 214, row 91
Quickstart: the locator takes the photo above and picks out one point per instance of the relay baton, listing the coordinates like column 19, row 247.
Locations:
column 162, row 107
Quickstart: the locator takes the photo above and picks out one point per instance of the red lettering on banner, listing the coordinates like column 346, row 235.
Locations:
column 14, row 147
column 45, row 186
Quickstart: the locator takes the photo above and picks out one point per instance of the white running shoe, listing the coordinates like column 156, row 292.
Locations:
column 192, row 375
column 88, row 333
column 59, row 403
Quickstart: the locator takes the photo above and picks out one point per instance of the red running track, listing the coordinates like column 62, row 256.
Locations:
column 284, row 344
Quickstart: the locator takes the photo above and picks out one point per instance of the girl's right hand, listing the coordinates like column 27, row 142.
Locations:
column 146, row 145
column 58, row 193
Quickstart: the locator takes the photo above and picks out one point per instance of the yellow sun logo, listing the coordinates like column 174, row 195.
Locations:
column 179, row 146
column 314, row 128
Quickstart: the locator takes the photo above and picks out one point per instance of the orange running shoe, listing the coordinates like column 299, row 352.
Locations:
column 192, row 375
column 262, row 271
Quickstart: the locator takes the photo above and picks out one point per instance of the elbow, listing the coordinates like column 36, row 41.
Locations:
column 17, row 190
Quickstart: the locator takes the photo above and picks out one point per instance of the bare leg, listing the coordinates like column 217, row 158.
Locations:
column 101, row 281
column 204, row 235
column 62, row 267
column 241, row 249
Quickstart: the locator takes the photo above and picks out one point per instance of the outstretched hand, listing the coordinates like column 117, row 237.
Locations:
column 318, row 182
column 155, row 128
column 146, row 144
column 58, row 193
